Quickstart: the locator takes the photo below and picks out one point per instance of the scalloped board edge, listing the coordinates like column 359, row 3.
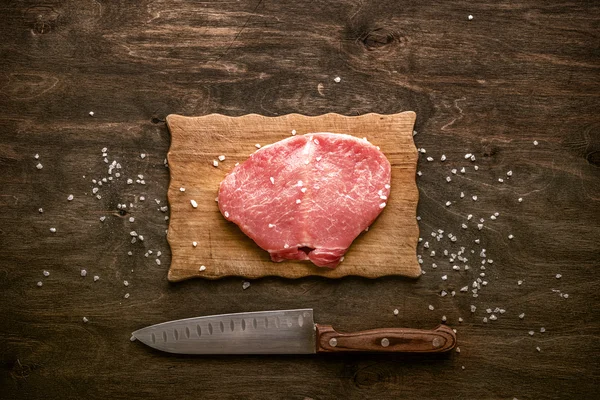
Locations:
column 388, row 248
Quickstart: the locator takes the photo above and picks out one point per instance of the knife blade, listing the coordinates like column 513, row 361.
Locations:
column 285, row 332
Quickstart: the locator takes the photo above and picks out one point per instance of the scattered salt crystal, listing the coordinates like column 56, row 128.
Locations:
column 245, row 285
column 493, row 317
column 157, row 261
column 431, row 307
column 221, row 158
column 298, row 201
column 538, row 349
column 40, row 284
column 131, row 219
column 36, row 156
column 473, row 308
column 272, row 180
column 460, row 319
column 83, row 273
column 480, row 226
column 39, row 166
column 429, row 159
column 509, row 173
column 130, row 253
column 464, row 226
column 542, row 330
column 444, row 277
column 463, row 170
column 215, row 163
column 193, row 203
column 485, row 319
column 257, row 146
column 500, row 180
column 476, row 167
column 470, row 17
column 520, row 199
column 46, row 273
column 271, row 226
column 519, row 282
column 182, row 189
column 133, row 233
column 96, row 278
column 467, row 156
column 382, row 205
column 474, row 198
column 511, row 236
column 444, row 319
column 293, row 132
column 85, row 320
column 443, row 158
column 142, row 156
column 535, row 143
column 531, row 333
column 448, row 179
column 558, row 276
column 53, row 230
column 126, row 295
column 448, row 203
column 419, row 173
column 129, row 181
column 194, row 244
column 126, row 283
column 41, row 210
column 396, row 312
column 202, row 268
column 337, row 79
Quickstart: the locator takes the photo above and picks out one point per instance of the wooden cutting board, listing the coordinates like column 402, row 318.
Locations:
column 388, row 248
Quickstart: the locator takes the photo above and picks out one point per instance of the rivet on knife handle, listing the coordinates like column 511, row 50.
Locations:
column 435, row 340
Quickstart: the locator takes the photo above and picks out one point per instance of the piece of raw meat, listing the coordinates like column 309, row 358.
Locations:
column 307, row 197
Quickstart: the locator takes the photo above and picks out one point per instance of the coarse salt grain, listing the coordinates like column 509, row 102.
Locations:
column 382, row 205
column 257, row 145
column 535, row 143
column 558, row 276
column 193, row 203
column 46, row 273
column 85, row 320
column 337, row 79
column 157, row 261
column 131, row 219
column 133, row 233
column 298, row 201
column 396, row 312
column 429, row 159
column 531, row 333
column 226, row 214
column 431, row 308
column 221, row 158
column 182, row 189
column 443, row 158
column 40, row 284
column 202, row 268
column 96, row 278
column 215, row 163
column 194, row 244
column 293, row 132
column 511, row 236
column 40, row 210
column 470, row 17
column 520, row 199
column 448, row 203
column 126, row 295
column 83, row 273
column 39, row 166
column 125, row 283
column 272, row 180
column 444, row 319
column 474, row 198
column 448, row 179
column 142, row 156
column 245, row 285
column 53, row 230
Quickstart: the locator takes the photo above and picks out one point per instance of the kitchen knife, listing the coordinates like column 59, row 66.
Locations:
column 285, row 332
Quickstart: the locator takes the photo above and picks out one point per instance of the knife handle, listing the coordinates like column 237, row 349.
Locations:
column 437, row 340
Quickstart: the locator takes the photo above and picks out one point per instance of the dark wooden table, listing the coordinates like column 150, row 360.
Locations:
column 491, row 85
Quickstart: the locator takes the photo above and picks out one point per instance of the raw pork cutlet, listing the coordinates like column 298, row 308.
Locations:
column 307, row 197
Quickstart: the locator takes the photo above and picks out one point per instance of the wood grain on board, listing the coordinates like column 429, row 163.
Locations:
column 388, row 248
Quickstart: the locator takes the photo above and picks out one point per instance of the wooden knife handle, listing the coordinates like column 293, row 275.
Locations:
column 437, row 340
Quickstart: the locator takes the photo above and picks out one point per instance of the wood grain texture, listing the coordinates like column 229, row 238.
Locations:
column 386, row 340
column 389, row 248
column 519, row 71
